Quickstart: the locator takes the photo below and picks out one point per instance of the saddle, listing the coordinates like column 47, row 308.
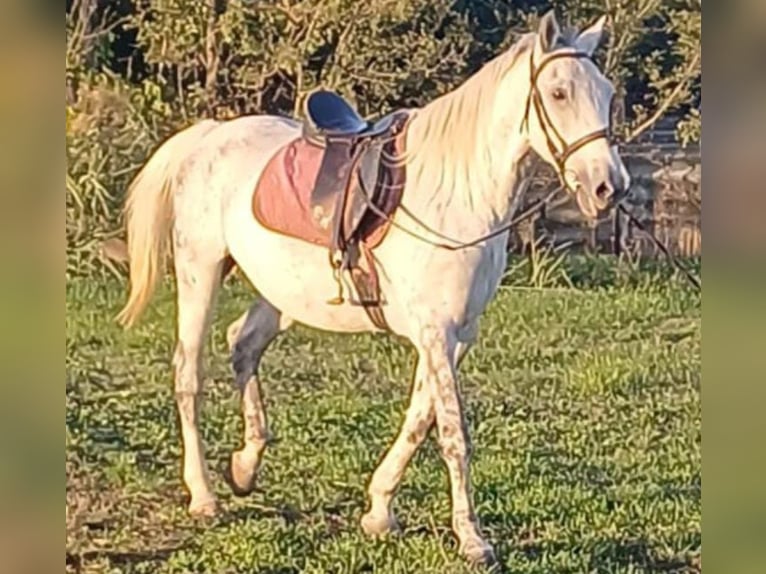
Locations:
column 337, row 185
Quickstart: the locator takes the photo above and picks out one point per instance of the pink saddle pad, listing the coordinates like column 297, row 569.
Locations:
column 281, row 196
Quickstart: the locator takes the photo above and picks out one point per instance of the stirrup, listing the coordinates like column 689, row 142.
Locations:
column 337, row 275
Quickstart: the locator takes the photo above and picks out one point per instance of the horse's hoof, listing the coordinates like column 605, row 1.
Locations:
column 206, row 508
column 240, row 484
column 375, row 526
column 479, row 553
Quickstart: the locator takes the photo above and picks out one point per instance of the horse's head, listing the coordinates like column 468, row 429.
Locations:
column 568, row 115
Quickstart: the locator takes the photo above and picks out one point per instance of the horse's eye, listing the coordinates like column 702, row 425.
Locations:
column 559, row 94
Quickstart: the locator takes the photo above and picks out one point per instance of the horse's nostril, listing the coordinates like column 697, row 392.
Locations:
column 603, row 192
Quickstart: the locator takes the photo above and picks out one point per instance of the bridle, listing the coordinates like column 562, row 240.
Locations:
column 560, row 150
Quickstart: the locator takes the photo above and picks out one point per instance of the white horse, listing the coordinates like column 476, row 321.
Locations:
column 464, row 174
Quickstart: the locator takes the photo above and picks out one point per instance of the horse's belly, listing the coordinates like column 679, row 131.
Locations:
column 293, row 275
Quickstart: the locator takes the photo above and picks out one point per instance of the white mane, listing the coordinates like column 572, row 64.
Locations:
column 453, row 140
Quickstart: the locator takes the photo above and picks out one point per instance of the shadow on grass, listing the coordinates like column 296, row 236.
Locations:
column 605, row 554
column 75, row 561
column 290, row 514
column 608, row 552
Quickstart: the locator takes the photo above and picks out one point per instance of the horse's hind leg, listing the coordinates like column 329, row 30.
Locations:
column 260, row 327
column 197, row 284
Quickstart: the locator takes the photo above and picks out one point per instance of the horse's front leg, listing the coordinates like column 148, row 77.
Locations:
column 440, row 353
column 385, row 480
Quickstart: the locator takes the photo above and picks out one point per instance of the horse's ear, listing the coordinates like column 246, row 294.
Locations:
column 588, row 40
column 548, row 32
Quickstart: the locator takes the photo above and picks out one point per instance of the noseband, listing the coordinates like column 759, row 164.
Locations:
column 563, row 150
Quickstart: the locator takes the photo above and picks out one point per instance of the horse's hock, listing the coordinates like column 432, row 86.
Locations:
column 665, row 196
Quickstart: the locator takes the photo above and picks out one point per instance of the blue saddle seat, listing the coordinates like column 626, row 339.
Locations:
column 332, row 115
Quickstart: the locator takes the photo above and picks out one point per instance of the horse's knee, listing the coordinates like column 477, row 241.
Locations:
column 456, row 451
column 454, row 441
column 186, row 361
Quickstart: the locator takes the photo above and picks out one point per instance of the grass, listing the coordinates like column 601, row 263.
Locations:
column 584, row 407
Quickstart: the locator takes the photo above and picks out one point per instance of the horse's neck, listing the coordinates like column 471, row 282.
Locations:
column 468, row 156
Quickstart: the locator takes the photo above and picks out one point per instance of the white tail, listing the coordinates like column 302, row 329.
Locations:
column 149, row 216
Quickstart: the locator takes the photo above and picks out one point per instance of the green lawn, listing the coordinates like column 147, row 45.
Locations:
column 584, row 408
